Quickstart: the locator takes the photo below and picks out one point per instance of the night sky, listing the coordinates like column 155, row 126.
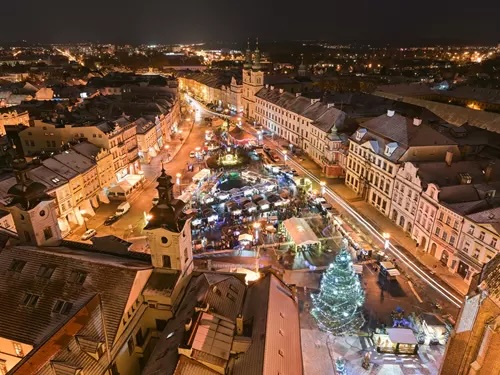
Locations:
column 166, row 21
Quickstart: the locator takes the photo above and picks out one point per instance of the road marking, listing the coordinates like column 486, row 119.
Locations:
column 415, row 292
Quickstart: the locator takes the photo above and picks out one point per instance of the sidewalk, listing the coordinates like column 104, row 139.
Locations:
column 384, row 224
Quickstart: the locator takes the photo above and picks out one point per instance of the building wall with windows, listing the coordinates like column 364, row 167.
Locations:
column 478, row 243
column 12, row 117
column 406, row 197
column 7, row 222
column 423, row 224
column 371, row 175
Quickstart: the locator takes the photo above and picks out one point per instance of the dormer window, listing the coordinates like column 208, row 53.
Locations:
column 390, row 148
column 360, row 133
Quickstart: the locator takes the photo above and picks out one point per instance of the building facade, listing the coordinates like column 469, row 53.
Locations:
column 253, row 81
column 9, row 116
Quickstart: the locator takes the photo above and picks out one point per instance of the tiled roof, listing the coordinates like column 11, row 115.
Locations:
column 111, row 277
column 75, row 161
column 188, row 366
column 204, row 288
column 322, row 116
column 87, row 149
column 275, row 347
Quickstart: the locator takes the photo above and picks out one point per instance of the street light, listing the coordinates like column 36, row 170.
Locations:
column 148, row 218
column 83, row 212
column 323, row 187
column 386, row 236
column 285, row 156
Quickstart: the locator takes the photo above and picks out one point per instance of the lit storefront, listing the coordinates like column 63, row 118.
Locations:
column 396, row 341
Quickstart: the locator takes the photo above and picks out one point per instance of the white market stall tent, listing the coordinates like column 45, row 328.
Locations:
column 300, row 232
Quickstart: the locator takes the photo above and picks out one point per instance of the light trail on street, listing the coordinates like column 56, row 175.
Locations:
column 450, row 296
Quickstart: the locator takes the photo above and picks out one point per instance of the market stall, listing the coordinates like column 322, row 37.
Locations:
column 397, row 341
column 299, row 231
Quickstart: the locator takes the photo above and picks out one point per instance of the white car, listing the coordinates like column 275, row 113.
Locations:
column 89, row 233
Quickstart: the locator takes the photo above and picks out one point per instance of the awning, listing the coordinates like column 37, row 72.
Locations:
column 401, row 335
column 300, row 232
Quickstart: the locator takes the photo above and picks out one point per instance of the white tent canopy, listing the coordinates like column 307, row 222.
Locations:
column 300, row 232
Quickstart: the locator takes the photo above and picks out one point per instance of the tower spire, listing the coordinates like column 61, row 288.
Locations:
column 248, row 56
column 256, row 61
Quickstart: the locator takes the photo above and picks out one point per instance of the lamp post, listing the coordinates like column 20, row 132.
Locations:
column 178, row 181
column 323, row 187
column 386, row 236
column 285, row 155
column 83, row 212
column 256, row 227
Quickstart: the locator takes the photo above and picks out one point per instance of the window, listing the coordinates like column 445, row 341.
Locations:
column 452, row 240
column 471, row 229
column 476, row 254
column 62, row 307
column 17, row 265
column 77, row 277
column 45, row 271
column 18, row 348
column 166, row 261
column 493, row 242
column 438, row 231
column 139, row 338
column 455, row 224
column 131, row 346
column 30, row 300
column 481, row 236
column 231, row 297
column 448, row 220
column 47, row 233
column 160, row 324
column 281, row 353
column 441, row 216
column 445, row 236
column 233, row 289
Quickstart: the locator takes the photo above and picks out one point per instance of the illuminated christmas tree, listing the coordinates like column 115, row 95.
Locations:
column 337, row 307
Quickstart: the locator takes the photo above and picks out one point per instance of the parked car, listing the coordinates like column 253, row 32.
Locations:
column 122, row 209
column 89, row 233
column 111, row 219
column 192, row 154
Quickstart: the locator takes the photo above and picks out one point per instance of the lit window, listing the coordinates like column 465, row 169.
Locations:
column 77, row 277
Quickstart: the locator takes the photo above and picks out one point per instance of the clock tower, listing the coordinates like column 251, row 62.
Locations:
column 33, row 210
column 169, row 230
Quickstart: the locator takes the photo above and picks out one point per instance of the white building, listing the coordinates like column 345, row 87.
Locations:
column 305, row 123
column 380, row 146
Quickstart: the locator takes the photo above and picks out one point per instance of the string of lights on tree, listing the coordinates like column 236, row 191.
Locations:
column 337, row 307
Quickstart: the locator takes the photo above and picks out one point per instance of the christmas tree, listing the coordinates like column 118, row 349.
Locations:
column 337, row 307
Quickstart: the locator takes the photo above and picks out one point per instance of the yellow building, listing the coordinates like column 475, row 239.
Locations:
column 10, row 116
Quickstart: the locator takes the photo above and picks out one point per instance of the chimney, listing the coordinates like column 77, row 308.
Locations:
column 281, row 91
column 417, row 121
column 239, row 325
column 448, row 158
column 314, row 101
column 297, row 94
column 330, row 105
column 267, row 85
column 488, row 171
column 390, row 112
column 272, row 87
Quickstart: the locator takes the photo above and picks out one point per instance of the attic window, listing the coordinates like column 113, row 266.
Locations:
column 45, row 271
column 231, row 297
column 360, row 133
column 233, row 288
column 390, row 148
column 55, row 180
column 30, row 300
column 62, row 307
column 77, row 277
column 17, row 265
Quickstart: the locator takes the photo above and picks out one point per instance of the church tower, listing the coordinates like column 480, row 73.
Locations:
column 169, row 230
column 253, row 81
column 33, row 210
column 302, row 71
